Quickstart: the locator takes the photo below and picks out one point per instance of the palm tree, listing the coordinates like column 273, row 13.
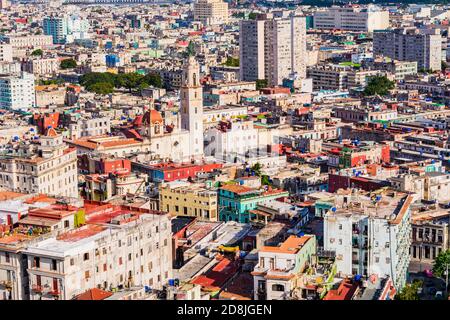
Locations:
column 256, row 168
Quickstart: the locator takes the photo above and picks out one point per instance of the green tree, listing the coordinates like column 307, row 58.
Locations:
column 265, row 181
column 68, row 64
column 379, row 85
column 409, row 292
column 101, row 88
column 256, row 168
column 153, row 79
column 252, row 15
column 441, row 262
column 261, row 83
column 130, row 81
column 232, row 62
column 190, row 51
column 37, row 52
column 50, row 82
column 92, row 78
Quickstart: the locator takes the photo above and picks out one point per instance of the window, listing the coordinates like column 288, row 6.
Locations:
column 86, row 275
column 86, row 256
column 277, row 287
column 7, row 259
column 72, row 262
column 66, row 224
column 120, row 261
column 54, row 265
column 36, row 262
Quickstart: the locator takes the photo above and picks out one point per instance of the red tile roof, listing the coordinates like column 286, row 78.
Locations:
column 94, row 294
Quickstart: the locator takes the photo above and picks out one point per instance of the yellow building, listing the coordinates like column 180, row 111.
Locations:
column 187, row 199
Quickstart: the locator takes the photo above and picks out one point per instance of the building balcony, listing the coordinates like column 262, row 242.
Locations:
column 6, row 283
column 37, row 288
column 54, row 292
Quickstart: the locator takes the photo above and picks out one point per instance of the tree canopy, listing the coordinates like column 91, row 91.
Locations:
column 256, row 168
column 410, row 291
column 441, row 262
column 232, row 62
column 37, row 52
column 261, row 83
column 379, row 85
column 105, row 82
column 68, row 64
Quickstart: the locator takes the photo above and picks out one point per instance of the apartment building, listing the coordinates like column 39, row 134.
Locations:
column 50, row 95
column 211, row 12
column 29, row 41
column 429, row 186
column 370, row 234
column 65, row 29
column 46, row 220
column 272, row 48
column 41, row 66
column 329, row 77
column 276, row 275
column 231, row 139
column 400, row 69
column 186, row 199
column 11, row 68
column 87, row 125
column 410, row 44
column 236, row 202
column 17, row 92
column 251, row 50
column 13, row 275
column 6, row 52
column 118, row 248
column 48, row 166
column 430, row 236
column 102, row 187
column 352, row 18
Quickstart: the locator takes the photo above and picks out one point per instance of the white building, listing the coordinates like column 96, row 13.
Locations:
column 130, row 249
column 6, row 52
column 275, row 277
column 47, row 167
column 229, row 140
column 370, row 234
column 191, row 106
column 41, row 66
column 29, row 41
column 410, row 44
column 211, row 12
column 17, row 92
column 352, row 18
column 286, row 49
column 272, row 48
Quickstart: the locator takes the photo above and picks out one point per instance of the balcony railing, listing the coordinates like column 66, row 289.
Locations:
column 6, row 283
column 37, row 288
column 54, row 292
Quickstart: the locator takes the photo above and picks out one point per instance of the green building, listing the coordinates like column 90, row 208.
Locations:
column 236, row 201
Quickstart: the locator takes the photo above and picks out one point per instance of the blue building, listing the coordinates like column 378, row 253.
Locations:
column 112, row 60
column 57, row 28
column 236, row 201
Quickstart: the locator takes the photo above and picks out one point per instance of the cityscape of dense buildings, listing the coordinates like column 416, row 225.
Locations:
column 218, row 150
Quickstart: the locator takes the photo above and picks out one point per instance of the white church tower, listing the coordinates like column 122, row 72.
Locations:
column 192, row 107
